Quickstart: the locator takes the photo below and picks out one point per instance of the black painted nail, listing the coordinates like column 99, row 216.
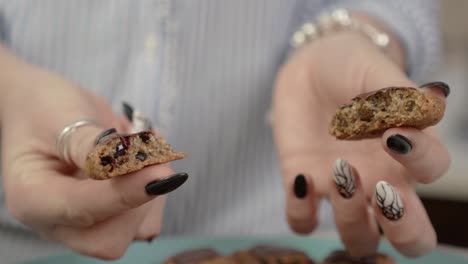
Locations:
column 128, row 110
column 103, row 134
column 300, row 186
column 399, row 144
column 167, row 185
column 440, row 85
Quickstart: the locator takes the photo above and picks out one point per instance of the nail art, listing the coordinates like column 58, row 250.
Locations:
column 389, row 201
column 104, row 134
column 344, row 178
column 140, row 122
column 167, row 185
column 300, row 186
column 128, row 111
column 440, row 85
column 399, row 144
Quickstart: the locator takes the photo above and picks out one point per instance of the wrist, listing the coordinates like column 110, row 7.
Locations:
column 341, row 21
column 394, row 50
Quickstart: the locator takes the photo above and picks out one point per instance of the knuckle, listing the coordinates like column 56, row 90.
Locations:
column 78, row 217
column 16, row 210
column 128, row 201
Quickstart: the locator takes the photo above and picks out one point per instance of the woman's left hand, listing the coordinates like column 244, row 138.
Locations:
column 377, row 175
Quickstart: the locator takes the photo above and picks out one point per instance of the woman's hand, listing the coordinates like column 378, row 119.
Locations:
column 95, row 218
column 311, row 86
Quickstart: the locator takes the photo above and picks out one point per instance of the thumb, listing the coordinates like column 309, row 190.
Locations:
column 384, row 73
column 112, row 154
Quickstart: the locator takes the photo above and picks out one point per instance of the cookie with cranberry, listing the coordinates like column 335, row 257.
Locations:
column 117, row 154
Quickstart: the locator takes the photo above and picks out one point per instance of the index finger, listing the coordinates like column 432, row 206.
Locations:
column 89, row 201
column 422, row 156
column 55, row 198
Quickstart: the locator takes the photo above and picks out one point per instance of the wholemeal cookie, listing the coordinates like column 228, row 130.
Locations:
column 116, row 154
column 342, row 257
column 195, row 256
column 221, row 260
column 245, row 257
column 370, row 114
column 266, row 254
column 261, row 254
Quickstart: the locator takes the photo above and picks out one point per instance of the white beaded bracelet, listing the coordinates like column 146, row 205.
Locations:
column 337, row 20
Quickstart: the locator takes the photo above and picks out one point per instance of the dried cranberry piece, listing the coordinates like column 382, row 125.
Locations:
column 107, row 160
column 141, row 156
column 125, row 140
column 145, row 137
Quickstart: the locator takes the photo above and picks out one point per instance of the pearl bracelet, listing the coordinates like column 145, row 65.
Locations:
column 336, row 21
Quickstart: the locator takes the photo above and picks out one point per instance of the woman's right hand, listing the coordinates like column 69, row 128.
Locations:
column 94, row 218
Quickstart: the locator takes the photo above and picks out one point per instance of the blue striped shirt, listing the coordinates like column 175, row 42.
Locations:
column 204, row 71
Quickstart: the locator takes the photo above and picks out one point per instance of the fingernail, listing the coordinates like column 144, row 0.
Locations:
column 399, row 144
column 389, row 201
column 149, row 240
column 167, row 185
column 140, row 122
column 344, row 178
column 104, row 134
column 440, row 85
column 300, row 186
column 128, row 110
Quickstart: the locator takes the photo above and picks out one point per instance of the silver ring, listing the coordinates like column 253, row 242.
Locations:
column 64, row 136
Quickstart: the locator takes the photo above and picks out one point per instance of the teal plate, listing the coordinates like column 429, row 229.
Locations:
column 160, row 249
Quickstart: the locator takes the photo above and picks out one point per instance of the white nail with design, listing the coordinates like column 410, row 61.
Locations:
column 344, row 178
column 389, row 201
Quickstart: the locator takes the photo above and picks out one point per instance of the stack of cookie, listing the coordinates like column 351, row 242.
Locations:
column 262, row 254
column 268, row 254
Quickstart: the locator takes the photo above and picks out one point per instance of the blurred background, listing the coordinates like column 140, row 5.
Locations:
column 447, row 199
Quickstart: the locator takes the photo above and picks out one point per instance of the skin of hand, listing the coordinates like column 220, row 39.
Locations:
column 95, row 218
column 378, row 173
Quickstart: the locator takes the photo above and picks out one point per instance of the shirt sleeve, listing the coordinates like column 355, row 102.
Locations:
column 415, row 23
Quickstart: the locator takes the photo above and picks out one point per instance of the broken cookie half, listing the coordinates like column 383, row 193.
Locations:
column 117, row 154
column 370, row 114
